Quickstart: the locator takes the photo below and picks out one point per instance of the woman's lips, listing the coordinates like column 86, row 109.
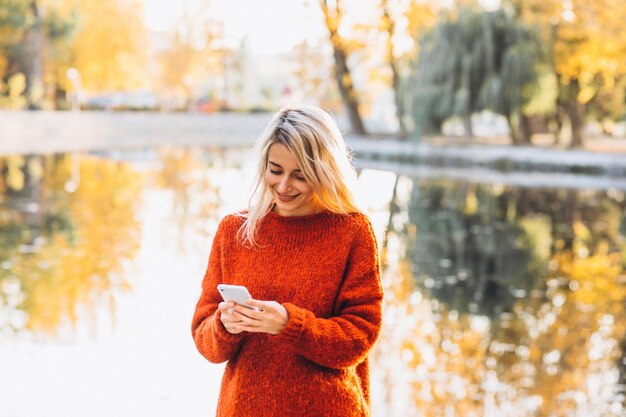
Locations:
column 286, row 198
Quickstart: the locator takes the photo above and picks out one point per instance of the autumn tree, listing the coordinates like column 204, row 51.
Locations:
column 195, row 51
column 588, row 44
column 378, row 47
column 110, row 47
column 388, row 26
column 419, row 17
column 333, row 16
column 312, row 75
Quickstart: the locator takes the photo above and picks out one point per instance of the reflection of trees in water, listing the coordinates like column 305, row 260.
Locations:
column 62, row 254
column 468, row 249
column 552, row 345
column 191, row 175
column 429, row 361
column 573, row 333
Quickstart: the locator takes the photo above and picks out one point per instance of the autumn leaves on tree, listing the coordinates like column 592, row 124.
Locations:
column 550, row 63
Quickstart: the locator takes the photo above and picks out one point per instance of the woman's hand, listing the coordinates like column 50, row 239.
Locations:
column 229, row 318
column 271, row 318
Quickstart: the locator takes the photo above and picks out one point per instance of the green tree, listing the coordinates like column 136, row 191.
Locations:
column 476, row 61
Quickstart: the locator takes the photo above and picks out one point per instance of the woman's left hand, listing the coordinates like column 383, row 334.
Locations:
column 271, row 317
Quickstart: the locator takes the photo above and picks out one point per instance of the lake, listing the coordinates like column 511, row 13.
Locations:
column 500, row 300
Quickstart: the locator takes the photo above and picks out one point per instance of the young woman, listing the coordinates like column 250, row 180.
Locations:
column 309, row 259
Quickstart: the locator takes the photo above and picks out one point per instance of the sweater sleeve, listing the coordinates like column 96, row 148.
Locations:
column 209, row 334
column 345, row 339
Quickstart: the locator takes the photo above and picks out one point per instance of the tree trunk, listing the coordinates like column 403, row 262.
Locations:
column 32, row 64
column 513, row 129
column 393, row 209
column 525, row 129
column 399, row 100
column 342, row 72
column 521, row 201
column 575, row 112
column 558, row 123
column 395, row 72
column 621, row 365
column 467, row 125
column 519, row 126
column 562, row 219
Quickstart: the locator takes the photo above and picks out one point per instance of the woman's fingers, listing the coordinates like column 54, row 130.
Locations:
column 229, row 317
column 226, row 307
column 271, row 317
column 268, row 317
column 263, row 306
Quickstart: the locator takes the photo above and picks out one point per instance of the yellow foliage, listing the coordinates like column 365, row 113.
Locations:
column 15, row 87
column 598, row 279
column 589, row 291
column 86, row 267
column 196, row 50
column 421, row 16
column 3, row 64
column 111, row 45
column 15, row 174
column 589, row 39
column 471, row 201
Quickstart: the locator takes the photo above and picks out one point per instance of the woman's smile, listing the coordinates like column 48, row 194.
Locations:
column 293, row 195
column 287, row 198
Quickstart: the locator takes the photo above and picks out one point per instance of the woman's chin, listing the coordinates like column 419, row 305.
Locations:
column 284, row 208
column 288, row 209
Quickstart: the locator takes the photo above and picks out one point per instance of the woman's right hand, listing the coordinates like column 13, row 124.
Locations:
column 229, row 317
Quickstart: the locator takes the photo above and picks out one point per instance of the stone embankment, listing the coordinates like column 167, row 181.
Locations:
column 49, row 132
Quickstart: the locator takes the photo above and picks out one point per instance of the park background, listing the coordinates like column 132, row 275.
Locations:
column 490, row 139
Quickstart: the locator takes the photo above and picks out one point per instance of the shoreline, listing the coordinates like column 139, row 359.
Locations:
column 23, row 132
column 496, row 157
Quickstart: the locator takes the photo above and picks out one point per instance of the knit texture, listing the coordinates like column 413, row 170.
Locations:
column 324, row 269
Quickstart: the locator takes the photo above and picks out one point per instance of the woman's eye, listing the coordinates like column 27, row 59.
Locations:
column 301, row 179
column 275, row 172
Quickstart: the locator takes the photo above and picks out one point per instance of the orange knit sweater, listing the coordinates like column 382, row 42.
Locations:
column 324, row 269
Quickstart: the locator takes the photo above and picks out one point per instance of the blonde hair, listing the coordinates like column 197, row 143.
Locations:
column 313, row 138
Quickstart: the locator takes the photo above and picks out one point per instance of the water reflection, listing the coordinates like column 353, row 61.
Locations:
column 468, row 249
column 503, row 301
column 66, row 250
column 500, row 301
column 195, row 194
column 200, row 182
column 59, row 253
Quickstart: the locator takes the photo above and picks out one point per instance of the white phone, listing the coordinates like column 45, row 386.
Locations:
column 236, row 293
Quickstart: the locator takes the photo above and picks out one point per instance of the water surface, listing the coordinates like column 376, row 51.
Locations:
column 500, row 300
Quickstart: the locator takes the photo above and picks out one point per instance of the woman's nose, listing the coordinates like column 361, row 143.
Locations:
column 284, row 184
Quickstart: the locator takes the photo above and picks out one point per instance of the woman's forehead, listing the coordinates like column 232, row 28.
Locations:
column 279, row 154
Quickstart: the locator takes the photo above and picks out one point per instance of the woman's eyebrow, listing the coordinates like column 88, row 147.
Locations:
column 277, row 165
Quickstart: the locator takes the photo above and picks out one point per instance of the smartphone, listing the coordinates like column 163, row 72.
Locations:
column 236, row 293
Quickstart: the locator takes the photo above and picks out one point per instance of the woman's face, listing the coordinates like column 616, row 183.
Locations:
column 292, row 194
